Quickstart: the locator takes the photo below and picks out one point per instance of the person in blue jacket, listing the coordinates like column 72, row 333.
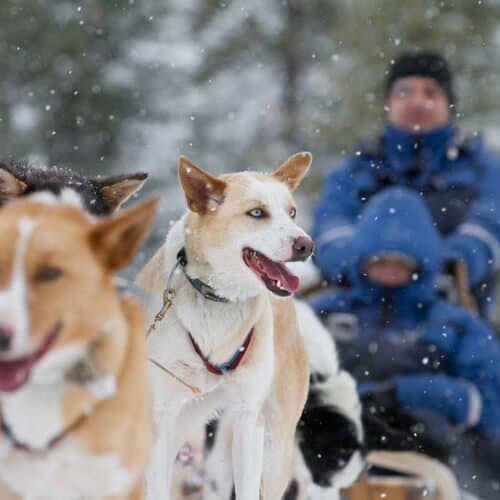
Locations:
column 412, row 352
column 420, row 147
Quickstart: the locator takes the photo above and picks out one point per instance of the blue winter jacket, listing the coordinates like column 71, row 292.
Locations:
column 454, row 366
column 457, row 177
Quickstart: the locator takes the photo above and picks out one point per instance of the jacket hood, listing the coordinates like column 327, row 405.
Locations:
column 397, row 221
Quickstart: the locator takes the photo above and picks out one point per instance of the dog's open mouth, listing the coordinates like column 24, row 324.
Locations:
column 15, row 372
column 277, row 278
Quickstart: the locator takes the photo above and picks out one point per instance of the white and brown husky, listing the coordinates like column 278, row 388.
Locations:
column 230, row 341
column 75, row 418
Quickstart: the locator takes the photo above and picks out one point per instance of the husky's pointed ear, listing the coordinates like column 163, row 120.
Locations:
column 293, row 170
column 203, row 191
column 10, row 185
column 116, row 238
column 117, row 189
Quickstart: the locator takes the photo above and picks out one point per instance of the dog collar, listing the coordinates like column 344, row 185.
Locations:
column 7, row 432
column 232, row 364
column 200, row 286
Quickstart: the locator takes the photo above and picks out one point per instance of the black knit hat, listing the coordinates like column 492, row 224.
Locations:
column 423, row 63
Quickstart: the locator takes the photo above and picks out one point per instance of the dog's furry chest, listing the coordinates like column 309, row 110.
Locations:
column 170, row 345
column 219, row 331
column 64, row 472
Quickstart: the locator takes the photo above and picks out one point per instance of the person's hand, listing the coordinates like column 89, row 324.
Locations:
column 389, row 426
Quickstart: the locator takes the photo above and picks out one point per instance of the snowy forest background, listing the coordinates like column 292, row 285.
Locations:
column 105, row 86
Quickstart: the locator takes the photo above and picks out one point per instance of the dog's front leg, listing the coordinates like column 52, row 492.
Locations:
column 159, row 473
column 218, row 464
column 248, row 452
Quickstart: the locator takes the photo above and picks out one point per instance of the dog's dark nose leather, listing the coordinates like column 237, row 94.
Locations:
column 5, row 338
column 302, row 248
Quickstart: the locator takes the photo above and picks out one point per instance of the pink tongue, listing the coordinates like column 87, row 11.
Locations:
column 14, row 373
column 279, row 272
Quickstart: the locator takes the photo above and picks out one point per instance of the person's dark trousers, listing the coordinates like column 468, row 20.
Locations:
column 483, row 477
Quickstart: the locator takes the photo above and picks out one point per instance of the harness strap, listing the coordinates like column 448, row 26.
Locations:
column 232, row 364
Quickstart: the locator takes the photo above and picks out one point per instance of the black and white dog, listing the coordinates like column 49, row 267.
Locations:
column 99, row 195
column 330, row 433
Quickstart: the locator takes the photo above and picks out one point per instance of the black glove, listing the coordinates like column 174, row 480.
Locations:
column 389, row 426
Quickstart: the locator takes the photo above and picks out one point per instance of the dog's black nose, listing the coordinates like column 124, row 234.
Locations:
column 5, row 338
column 302, row 248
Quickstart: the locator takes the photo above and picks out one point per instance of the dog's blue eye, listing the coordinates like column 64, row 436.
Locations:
column 257, row 213
column 293, row 213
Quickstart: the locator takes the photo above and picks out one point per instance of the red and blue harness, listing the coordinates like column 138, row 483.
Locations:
column 232, row 364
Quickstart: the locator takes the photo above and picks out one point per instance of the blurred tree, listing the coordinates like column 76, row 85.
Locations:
column 234, row 84
column 66, row 89
column 238, row 83
column 228, row 83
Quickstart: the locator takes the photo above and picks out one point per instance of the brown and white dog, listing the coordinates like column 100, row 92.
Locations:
column 232, row 331
column 75, row 407
column 329, row 434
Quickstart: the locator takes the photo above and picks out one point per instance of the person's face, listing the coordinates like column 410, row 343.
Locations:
column 389, row 271
column 417, row 104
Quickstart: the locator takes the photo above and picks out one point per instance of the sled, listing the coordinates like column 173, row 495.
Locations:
column 413, row 476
